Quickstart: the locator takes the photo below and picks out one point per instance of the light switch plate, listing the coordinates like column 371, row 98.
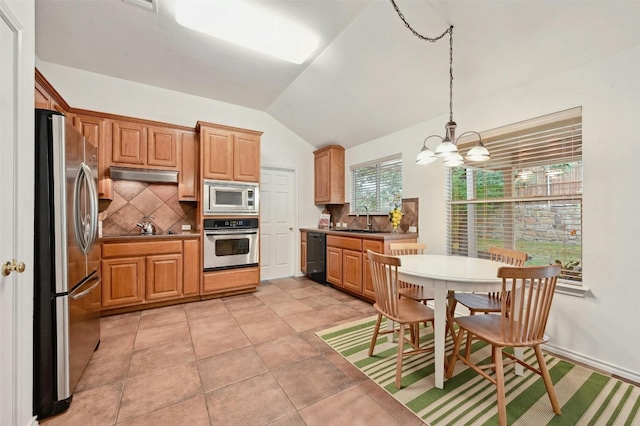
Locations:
column 186, row 227
column 413, row 229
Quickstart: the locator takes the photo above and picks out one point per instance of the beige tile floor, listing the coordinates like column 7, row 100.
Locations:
column 250, row 359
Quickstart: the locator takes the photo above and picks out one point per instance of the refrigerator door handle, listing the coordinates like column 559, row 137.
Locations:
column 85, row 292
column 86, row 228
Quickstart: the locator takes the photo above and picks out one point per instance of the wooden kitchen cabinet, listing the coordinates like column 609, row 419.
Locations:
column 230, row 281
column 128, row 144
column 344, row 262
column 135, row 144
column 93, row 129
column 229, row 153
column 162, row 150
column 329, row 175
column 192, row 271
column 334, row 265
column 347, row 265
column 188, row 182
column 123, row 282
column 303, row 252
column 142, row 272
column 46, row 97
column 163, row 277
column 376, row 246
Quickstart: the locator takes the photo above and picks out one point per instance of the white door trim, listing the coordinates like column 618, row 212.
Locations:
column 20, row 150
column 295, row 250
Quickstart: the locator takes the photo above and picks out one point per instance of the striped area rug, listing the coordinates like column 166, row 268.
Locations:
column 586, row 397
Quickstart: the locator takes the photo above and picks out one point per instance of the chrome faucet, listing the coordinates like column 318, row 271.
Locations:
column 369, row 224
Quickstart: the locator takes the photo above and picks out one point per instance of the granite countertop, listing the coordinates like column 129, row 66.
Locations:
column 359, row 233
column 139, row 237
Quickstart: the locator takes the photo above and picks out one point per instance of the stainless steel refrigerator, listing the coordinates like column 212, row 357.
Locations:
column 67, row 260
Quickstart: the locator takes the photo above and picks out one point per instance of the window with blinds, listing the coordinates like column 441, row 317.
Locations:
column 376, row 185
column 528, row 197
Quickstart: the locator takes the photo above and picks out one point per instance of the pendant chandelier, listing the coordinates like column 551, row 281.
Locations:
column 448, row 148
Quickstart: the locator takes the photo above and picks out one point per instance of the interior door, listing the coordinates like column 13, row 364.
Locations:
column 277, row 223
column 16, row 216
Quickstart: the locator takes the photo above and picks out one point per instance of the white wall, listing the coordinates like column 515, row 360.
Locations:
column 601, row 328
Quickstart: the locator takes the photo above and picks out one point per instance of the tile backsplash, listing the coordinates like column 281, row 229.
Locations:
column 133, row 200
column 340, row 214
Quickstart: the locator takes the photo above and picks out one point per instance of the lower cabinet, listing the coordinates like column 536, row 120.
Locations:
column 303, row 252
column 135, row 273
column 344, row 263
column 163, row 277
column 230, row 281
column 123, row 282
column 347, row 264
column 367, row 284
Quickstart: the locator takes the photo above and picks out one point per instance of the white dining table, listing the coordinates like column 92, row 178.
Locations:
column 444, row 274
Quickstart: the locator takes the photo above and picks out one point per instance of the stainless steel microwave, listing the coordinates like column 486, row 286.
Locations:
column 226, row 197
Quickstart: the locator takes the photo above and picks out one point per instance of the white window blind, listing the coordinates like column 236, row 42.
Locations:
column 528, row 197
column 376, row 185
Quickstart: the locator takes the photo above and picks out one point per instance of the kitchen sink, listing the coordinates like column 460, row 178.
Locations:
column 362, row 231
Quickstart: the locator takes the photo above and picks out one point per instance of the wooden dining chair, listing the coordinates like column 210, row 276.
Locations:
column 487, row 302
column 519, row 324
column 411, row 291
column 405, row 312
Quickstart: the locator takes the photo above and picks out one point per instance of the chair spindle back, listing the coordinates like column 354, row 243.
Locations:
column 524, row 323
column 399, row 249
column 508, row 256
column 384, row 275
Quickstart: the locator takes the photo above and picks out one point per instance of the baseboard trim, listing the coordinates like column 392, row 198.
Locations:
column 607, row 368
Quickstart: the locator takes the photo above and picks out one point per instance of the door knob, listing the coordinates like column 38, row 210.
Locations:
column 291, row 228
column 8, row 267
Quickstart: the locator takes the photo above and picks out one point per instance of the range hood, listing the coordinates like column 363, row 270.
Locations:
column 144, row 175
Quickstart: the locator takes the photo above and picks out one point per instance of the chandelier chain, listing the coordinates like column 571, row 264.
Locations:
column 451, row 73
column 415, row 33
column 433, row 40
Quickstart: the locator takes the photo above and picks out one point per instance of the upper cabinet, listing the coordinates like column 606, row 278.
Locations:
column 46, row 97
column 162, row 147
column 138, row 145
column 93, row 129
column 329, row 175
column 229, row 153
column 189, row 161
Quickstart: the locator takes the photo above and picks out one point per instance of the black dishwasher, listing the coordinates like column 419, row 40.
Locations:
column 316, row 257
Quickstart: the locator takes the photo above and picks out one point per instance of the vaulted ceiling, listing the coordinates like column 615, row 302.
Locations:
column 369, row 77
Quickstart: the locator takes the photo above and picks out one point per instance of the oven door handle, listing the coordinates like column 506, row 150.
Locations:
column 234, row 232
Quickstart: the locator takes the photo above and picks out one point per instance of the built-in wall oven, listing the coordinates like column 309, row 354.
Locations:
column 230, row 243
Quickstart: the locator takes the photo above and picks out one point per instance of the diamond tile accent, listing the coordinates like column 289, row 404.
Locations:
column 133, row 200
column 147, row 202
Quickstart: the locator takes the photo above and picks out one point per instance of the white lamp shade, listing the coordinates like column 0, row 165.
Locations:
column 425, row 156
column 453, row 160
column 478, row 153
column 445, row 149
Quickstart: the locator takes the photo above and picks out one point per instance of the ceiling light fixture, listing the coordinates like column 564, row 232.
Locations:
column 448, row 148
column 249, row 25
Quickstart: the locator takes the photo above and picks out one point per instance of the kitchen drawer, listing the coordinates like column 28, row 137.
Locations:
column 145, row 248
column 344, row 242
column 230, row 280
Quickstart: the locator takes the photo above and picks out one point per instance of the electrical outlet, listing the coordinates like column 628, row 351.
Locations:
column 186, row 227
column 413, row 229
